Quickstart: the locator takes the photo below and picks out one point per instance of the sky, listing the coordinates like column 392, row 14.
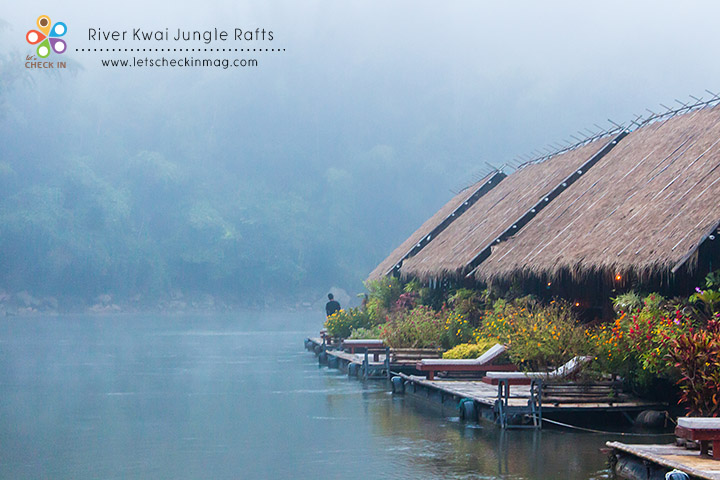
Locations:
column 480, row 81
column 407, row 100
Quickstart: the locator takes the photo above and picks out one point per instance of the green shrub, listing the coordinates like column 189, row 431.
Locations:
column 627, row 302
column 708, row 299
column 343, row 322
column 653, row 304
column 413, row 285
column 537, row 336
column 499, row 322
column 383, row 293
column 471, row 350
column 468, row 303
column 364, row 333
column 458, row 329
column 421, row 327
column 546, row 336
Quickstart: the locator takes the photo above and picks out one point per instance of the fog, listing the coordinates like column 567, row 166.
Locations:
column 271, row 185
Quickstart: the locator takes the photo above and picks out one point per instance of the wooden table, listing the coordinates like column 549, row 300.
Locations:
column 702, row 429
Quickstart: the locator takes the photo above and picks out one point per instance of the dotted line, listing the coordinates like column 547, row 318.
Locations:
column 179, row 49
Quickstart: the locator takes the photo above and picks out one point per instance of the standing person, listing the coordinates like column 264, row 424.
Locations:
column 332, row 306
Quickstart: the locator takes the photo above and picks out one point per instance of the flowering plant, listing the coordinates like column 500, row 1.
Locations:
column 343, row 322
column 457, row 329
column 697, row 357
column 474, row 350
column 537, row 336
column 636, row 345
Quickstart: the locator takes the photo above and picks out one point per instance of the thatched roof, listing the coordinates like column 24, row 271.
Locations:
column 451, row 253
column 645, row 207
column 446, row 215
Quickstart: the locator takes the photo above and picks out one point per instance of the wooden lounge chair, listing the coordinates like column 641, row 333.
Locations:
column 525, row 378
column 483, row 363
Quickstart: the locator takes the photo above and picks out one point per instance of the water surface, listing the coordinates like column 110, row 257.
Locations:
column 234, row 397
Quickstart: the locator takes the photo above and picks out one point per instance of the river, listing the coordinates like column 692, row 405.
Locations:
column 234, row 396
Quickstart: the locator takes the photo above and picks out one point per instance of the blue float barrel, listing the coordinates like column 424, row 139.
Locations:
column 398, row 385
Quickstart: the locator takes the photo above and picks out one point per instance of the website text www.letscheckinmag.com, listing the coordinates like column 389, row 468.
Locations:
column 185, row 62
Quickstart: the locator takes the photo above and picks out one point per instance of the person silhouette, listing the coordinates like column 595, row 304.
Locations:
column 332, row 306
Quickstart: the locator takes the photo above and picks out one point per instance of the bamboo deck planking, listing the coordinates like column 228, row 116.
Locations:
column 672, row 456
column 487, row 394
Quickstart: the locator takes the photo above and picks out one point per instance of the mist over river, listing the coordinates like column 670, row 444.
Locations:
column 231, row 397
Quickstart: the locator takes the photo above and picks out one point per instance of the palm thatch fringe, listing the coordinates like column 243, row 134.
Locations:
column 437, row 223
column 644, row 209
column 448, row 255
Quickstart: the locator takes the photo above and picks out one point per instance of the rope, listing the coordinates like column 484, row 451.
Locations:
column 667, row 416
column 624, row 434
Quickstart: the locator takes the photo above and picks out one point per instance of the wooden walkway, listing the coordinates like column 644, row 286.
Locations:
column 517, row 407
column 367, row 365
column 672, row 456
column 487, row 394
column 401, row 359
column 356, row 358
column 481, row 392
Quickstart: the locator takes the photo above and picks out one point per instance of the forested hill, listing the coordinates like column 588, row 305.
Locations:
column 156, row 192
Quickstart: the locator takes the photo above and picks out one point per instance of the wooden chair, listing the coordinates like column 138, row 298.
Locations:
column 525, row 378
column 483, row 363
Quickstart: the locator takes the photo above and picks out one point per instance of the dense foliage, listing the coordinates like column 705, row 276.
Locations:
column 651, row 343
column 141, row 201
column 420, row 327
column 537, row 336
column 635, row 346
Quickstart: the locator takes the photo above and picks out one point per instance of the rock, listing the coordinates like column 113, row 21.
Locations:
column 26, row 299
column 50, row 303
column 103, row 299
column 98, row 308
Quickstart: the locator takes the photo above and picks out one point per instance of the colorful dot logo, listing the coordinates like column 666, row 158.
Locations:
column 47, row 37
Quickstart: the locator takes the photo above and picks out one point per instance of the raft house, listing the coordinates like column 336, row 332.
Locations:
column 635, row 205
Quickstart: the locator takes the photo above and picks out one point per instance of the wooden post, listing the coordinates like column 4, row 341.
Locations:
column 366, row 365
column 536, row 402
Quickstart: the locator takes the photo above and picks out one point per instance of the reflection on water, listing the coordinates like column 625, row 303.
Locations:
column 234, row 396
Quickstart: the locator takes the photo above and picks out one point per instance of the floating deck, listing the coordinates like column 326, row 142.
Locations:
column 356, row 358
column 521, row 406
column 669, row 457
column 487, row 394
column 372, row 365
column 381, row 361
column 366, row 365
